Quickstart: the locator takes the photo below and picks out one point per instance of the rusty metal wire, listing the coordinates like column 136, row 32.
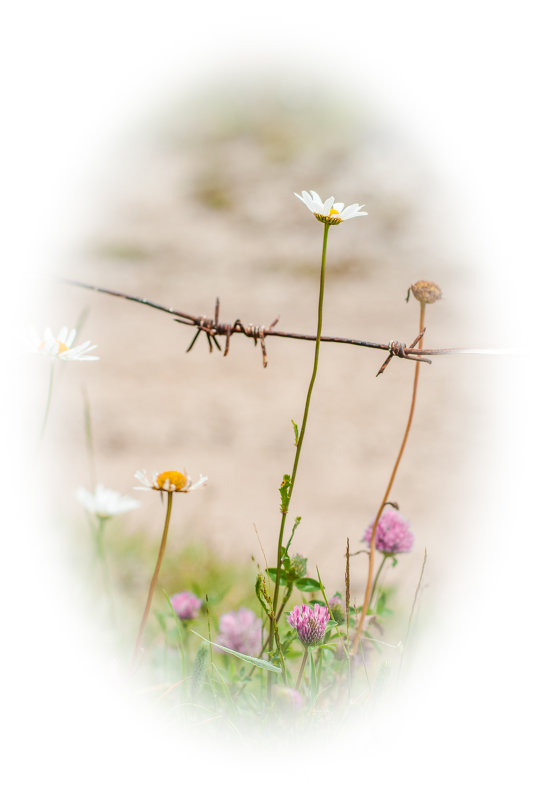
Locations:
column 213, row 328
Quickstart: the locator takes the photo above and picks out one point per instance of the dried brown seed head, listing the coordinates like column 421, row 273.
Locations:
column 426, row 292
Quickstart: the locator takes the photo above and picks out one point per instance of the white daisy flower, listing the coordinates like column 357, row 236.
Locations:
column 105, row 502
column 60, row 347
column 169, row 481
column 329, row 212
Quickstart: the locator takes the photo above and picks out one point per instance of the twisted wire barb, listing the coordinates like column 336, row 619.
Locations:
column 213, row 327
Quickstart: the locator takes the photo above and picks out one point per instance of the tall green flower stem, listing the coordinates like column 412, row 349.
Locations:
column 374, row 586
column 285, row 507
column 48, row 401
column 154, row 578
column 368, row 589
column 99, row 542
column 302, row 666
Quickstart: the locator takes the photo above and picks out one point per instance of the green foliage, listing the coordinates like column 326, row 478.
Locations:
column 307, row 584
column 199, row 668
column 297, row 521
column 284, row 491
column 255, row 661
column 296, row 433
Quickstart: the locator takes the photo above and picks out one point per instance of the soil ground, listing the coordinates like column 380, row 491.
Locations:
column 206, row 209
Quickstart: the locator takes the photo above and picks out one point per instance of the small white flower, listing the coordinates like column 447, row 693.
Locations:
column 329, row 212
column 60, row 347
column 105, row 502
column 169, row 481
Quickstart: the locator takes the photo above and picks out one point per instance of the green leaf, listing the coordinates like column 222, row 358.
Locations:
column 296, row 435
column 272, row 572
column 284, row 492
column 382, row 601
column 256, row 661
column 307, row 584
column 294, row 528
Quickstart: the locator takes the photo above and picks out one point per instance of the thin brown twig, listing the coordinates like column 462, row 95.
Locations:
column 368, row 589
column 212, row 327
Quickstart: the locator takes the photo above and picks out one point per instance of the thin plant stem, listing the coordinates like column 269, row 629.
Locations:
column 374, row 586
column 368, row 588
column 417, row 591
column 154, row 578
column 302, row 666
column 48, row 401
column 99, row 539
column 89, row 436
column 301, row 436
column 208, row 616
column 284, row 601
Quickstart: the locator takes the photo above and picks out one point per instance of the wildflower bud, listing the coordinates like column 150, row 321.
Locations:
column 426, row 292
column 337, row 609
column 297, row 568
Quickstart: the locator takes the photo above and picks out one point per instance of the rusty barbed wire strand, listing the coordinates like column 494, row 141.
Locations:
column 213, row 327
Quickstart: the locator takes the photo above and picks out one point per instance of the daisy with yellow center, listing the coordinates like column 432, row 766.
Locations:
column 169, row 482
column 61, row 347
column 331, row 214
column 328, row 211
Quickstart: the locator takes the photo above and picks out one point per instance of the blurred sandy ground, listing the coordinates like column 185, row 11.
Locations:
column 200, row 205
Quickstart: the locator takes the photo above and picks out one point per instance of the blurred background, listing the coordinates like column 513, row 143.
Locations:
column 197, row 203
column 452, row 84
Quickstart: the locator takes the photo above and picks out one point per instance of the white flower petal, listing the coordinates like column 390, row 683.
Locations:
column 328, row 203
column 105, row 502
column 308, row 202
column 354, row 210
column 337, row 211
column 53, row 346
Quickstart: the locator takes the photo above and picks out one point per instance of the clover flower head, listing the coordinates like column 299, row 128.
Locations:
column 393, row 535
column 240, row 630
column 61, row 347
column 169, row 482
column 309, row 623
column 104, row 502
column 186, row 605
column 328, row 211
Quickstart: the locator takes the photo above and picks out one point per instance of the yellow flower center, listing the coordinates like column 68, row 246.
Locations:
column 333, row 211
column 174, row 477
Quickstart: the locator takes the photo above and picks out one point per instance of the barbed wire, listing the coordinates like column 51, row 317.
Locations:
column 214, row 327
